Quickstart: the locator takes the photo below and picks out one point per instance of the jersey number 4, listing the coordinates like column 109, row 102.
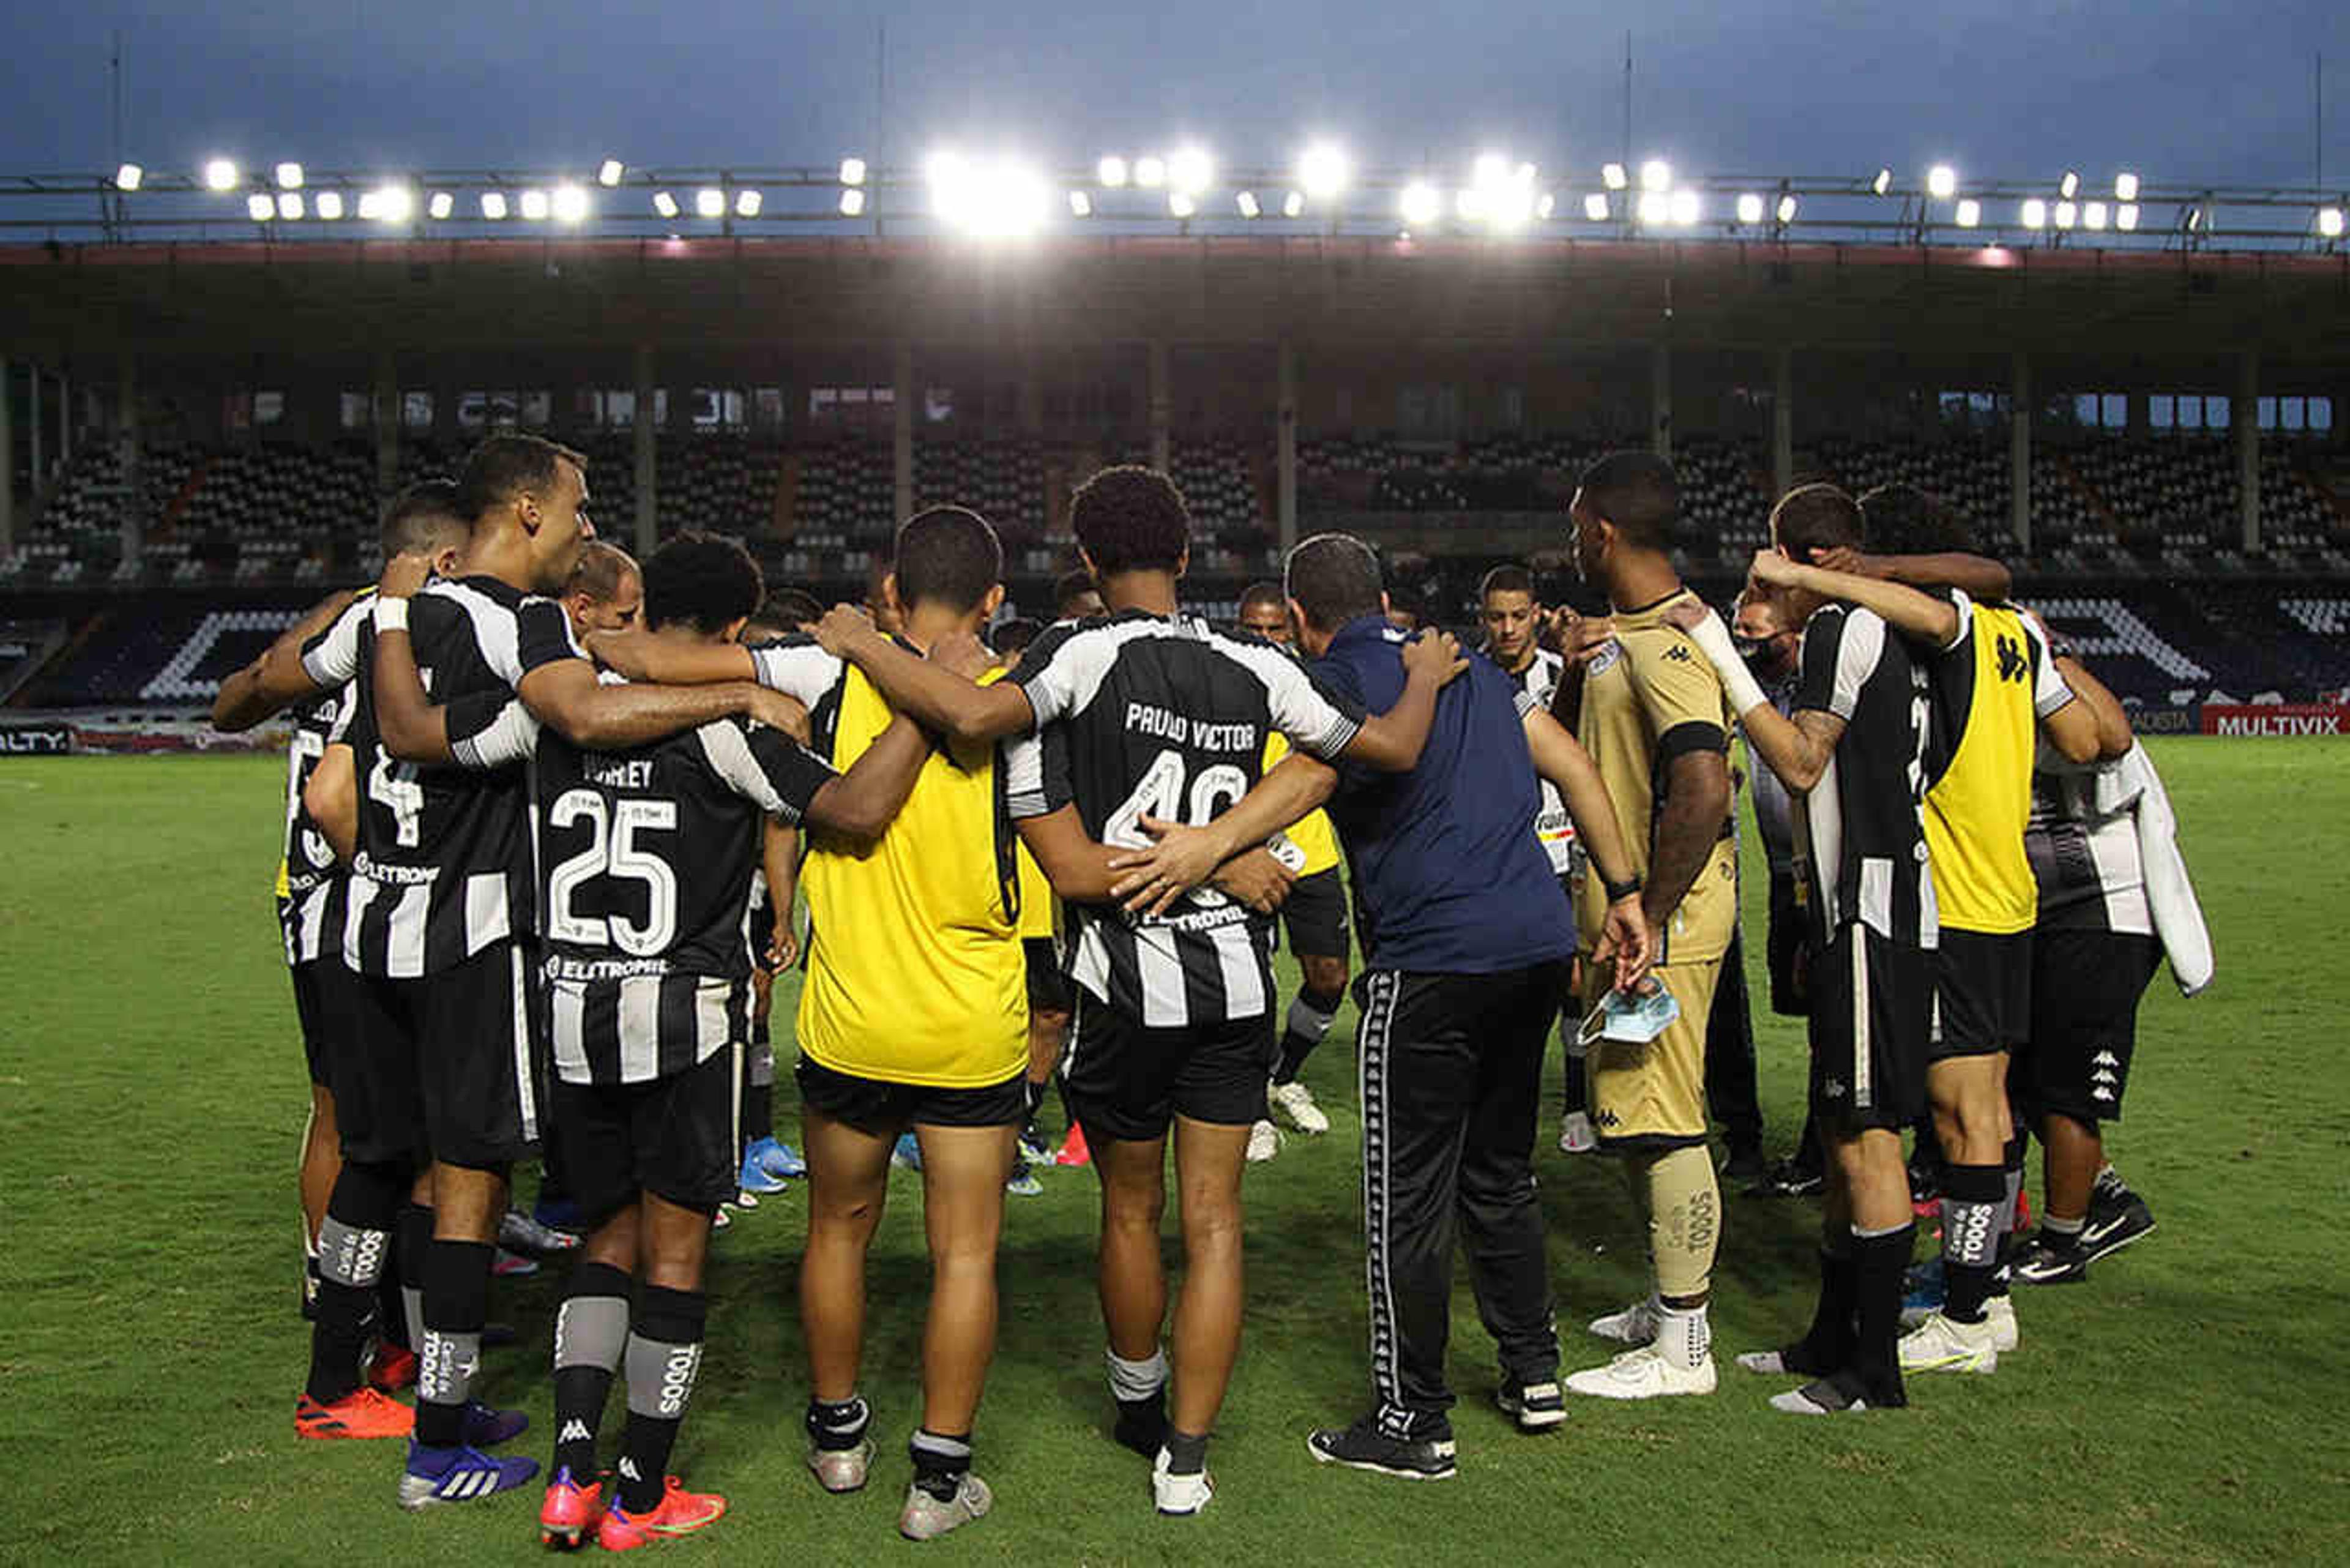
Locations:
column 1160, row 794
column 613, row 851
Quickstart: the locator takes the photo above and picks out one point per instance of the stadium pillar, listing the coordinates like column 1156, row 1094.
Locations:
column 902, row 435
column 34, row 424
column 65, row 419
column 7, row 469
column 2018, row 453
column 1783, row 424
column 645, row 439
column 1285, row 446
column 1660, row 401
column 2247, row 414
column 1162, row 408
column 134, row 521
column 386, row 429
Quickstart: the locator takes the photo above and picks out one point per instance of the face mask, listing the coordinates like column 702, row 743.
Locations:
column 1633, row 1019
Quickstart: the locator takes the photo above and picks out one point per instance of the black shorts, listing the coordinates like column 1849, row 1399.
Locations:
column 1315, row 916
column 676, row 1137
column 324, row 1011
column 444, row 1067
column 1125, row 1081
column 1048, row 990
column 878, row 1105
column 1872, row 1010
column 2085, row 987
column 1982, row 993
column 1787, row 943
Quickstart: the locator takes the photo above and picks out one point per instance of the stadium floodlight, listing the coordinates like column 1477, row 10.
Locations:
column 608, row 173
column 1546, row 207
column 441, row 206
column 1750, row 208
column 1111, row 172
column 2066, row 214
column 535, row 206
column 393, row 204
column 1000, row 198
column 852, row 170
column 2329, row 222
column 710, row 202
column 1150, row 172
column 1883, row 183
column 259, row 207
column 1656, row 174
column 1499, row 192
column 289, row 176
column 747, row 203
column 1469, row 204
column 665, row 203
column 1294, row 204
column 330, row 205
column 1246, row 201
column 2194, row 219
column 128, row 176
column 289, row 205
column 1787, row 207
column 1656, row 209
column 852, row 203
column 2125, row 186
column 1595, row 206
column 2035, row 213
column 493, row 205
column 1969, row 213
column 1612, row 175
column 1687, row 208
column 2093, row 216
column 2126, row 217
column 2069, row 186
column 1489, row 171
column 1323, row 171
column 1190, row 172
column 1941, row 181
column 220, row 174
column 1080, row 204
column 570, row 204
column 1421, row 204
column 1179, row 205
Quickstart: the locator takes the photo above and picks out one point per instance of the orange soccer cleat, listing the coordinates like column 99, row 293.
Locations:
column 362, row 1412
column 680, row 1512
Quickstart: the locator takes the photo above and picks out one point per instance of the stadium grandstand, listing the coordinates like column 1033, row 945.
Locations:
column 203, row 417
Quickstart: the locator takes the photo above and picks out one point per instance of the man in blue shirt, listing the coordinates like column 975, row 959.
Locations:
column 1465, row 933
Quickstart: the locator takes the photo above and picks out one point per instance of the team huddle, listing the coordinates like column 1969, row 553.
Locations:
column 549, row 811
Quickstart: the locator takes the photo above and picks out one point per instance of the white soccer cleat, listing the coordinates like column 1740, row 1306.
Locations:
column 1576, row 1134
column 1264, row 1142
column 1940, row 1344
column 1636, row 1324
column 843, row 1470
column 1296, row 1101
column 1644, row 1373
column 925, row 1517
column 1176, row 1494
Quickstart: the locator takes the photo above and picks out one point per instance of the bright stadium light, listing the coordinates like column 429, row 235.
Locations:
column 1969, row 213
column 2093, row 216
column 1246, row 201
column 852, row 170
column 1595, row 206
column 1499, row 192
column 1656, row 209
column 1421, row 204
column 1080, row 204
column 1469, row 203
column 493, row 205
column 1612, row 175
column 441, row 206
column 608, row 173
column 289, row 176
column 289, row 205
column 710, row 202
column 665, row 204
column 220, row 174
column 330, row 205
column 2035, row 213
column 1656, row 174
column 1546, row 207
column 1323, row 171
column 747, row 203
column 997, row 199
column 570, row 204
column 1150, row 172
column 1787, row 208
column 2065, row 214
column 1190, row 172
column 1490, row 170
column 128, row 176
column 1294, row 204
column 393, row 204
column 535, row 206
column 1941, row 181
column 1750, row 208
column 259, row 207
column 2329, row 222
column 1883, row 183
column 852, row 203
column 2069, row 186
column 1179, row 205
column 1687, row 208
column 2125, row 186
column 1111, row 172
column 2126, row 217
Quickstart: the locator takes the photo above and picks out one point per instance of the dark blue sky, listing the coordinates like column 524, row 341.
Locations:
column 2200, row 92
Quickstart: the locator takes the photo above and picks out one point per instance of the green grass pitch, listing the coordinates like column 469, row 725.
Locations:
column 2185, row 1405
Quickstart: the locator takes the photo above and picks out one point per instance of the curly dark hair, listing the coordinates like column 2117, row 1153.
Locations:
column 1131, row 519
column 706, row 580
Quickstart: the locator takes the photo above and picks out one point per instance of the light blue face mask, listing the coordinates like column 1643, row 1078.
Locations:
column 1634, row 1018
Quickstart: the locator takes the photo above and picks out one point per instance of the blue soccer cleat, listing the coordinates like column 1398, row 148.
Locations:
column 435, row 1476
column 486, row 1427
column 907, row 1155
column 779, row 1159
column 755, row 1177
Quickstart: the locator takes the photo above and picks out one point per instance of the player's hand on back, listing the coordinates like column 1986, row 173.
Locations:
column 1258, row 879
column 1436, row 653
column 778, row 711
column 622, row 652
column 1689, row 614
column 1844, row 558
column 1180, row 858
column 1586, row 636
column 842, row 625
column 963, row 654
column 405, row 574
column 1773, row 570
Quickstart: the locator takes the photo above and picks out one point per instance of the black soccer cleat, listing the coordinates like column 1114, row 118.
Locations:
column 1364, row 1446
column 2044, row 1260
column 2116, row 1218
column 1538, row 1407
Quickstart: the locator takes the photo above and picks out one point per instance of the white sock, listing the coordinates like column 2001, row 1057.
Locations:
column 1684, row 1337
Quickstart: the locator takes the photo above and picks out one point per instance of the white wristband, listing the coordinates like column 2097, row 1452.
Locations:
column 1712, row 639
column 390, row 615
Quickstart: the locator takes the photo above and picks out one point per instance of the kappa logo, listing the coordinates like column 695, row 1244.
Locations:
column 2106, row 1059
column 1607, row 1120
column 1680, row 650
column 2013, row 666
column 1833, row 1089
column 575, row 1430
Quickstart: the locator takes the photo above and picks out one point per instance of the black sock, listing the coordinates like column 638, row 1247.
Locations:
column 1142, row 1423
column 1187, row 1452
column 941, row 1461
column 1971, row 1198
column 1311, row 1013
column 838, row 1427
column 591, row 1334
column 664, row 1354
column 1577, row 1096
column 354, row 1247
column 411, row 1245
column 1827, row 1345
column 1880, row 1264
column 456, row 1304
column 339, row 1337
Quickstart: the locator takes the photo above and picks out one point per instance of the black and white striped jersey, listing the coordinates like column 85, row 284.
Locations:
column 308, row 871
column 647, row 857
column 1165, row 718
column 1859, row 846
column 444, row 867
column 2088, row 865
column 1553, row 826
column 800, row 668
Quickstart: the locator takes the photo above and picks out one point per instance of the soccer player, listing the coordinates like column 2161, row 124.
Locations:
column 1314, row 914
column 1156, row 725
column 1995, row 689
column 1852, row 752
column 441, row 911
column 606, row 592
column 1075, row 597
column 1465, row 931
column 1654, row 721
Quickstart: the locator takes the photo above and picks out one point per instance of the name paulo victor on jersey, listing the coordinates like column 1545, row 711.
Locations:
column 1160, row 724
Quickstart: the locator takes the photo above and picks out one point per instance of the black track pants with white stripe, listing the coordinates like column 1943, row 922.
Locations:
column 1451, row 1069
